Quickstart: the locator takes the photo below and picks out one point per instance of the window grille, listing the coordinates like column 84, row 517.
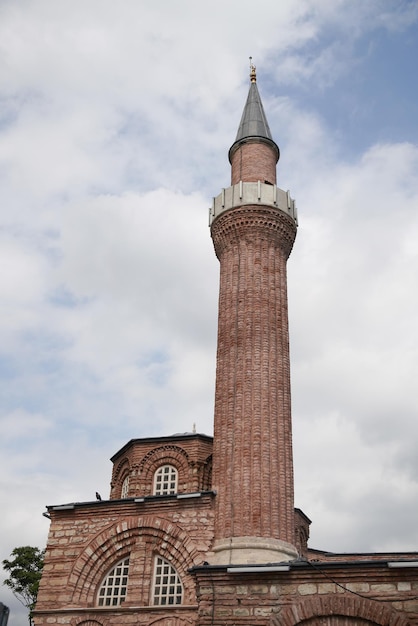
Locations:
column 113, row 589
column 125, row 487
column 168, row 589
column 165, row 480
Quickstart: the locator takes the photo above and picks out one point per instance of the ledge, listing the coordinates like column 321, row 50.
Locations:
column 120, row 609
column 139, row 500
column 298, row 565
column 258, row 193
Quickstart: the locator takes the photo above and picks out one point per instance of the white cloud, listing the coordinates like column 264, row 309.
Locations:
column 20, row 425
column 356, row 352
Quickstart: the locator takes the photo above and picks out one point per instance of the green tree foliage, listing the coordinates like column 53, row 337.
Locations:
column 25, row 571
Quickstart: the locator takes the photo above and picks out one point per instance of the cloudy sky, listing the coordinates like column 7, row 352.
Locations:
column 115, row 122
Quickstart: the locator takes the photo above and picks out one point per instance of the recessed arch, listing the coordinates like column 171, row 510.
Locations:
column 206, row 475
column 118, row 541
column 165, row 455
column 120, row 473
column 122, row 468
column 346, row 606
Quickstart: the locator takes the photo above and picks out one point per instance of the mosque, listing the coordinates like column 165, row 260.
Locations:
column 203, row 531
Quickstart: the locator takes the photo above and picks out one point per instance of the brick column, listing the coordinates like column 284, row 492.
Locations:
column 253, row 470
column 254, row 160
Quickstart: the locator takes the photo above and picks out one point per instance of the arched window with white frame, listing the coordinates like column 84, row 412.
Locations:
column 167, row 585
column 125, row 487
column 165, row 480
column 112, row 591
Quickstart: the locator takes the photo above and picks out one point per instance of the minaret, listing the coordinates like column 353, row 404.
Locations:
column 253, row 227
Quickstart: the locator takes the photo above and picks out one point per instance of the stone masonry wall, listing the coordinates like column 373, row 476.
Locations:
column 370, row 594
column 86, row 542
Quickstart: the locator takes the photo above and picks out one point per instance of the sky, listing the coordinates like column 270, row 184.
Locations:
column 115, row 124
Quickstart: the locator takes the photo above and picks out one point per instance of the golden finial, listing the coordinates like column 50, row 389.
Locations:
column 253, row 76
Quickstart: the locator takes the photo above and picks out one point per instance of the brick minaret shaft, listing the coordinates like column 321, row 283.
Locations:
column 253, row 227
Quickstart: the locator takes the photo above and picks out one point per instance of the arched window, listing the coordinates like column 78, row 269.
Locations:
column 165, row 480
column 125, row 487
column 167, row 584
column 113, row 589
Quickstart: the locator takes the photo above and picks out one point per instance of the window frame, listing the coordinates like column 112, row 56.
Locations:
column 166, row 577
column 113, row 591
column 163, row 487
column 125, row 487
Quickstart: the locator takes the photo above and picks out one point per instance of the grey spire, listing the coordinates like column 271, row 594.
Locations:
column 253, row 124
column 253, row 121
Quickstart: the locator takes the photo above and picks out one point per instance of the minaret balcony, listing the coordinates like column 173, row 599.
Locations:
column 258, row 193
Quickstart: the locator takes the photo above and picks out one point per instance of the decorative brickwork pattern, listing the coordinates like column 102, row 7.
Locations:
column 131, row 537
column 253, row 470
column 120, row 473
column 166, row 455
column 244, row 223
column 140, row 458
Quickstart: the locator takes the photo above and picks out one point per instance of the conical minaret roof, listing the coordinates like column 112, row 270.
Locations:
column 253, row 124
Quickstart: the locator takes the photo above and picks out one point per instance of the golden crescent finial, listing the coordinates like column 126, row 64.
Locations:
column 253, row 76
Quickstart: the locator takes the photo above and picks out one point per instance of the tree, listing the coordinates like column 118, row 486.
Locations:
column 25, row 571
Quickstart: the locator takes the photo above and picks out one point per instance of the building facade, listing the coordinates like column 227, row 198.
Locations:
column 202, row 531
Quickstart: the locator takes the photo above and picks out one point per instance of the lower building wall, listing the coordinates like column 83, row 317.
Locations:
column 87, row 541
column 309, row 597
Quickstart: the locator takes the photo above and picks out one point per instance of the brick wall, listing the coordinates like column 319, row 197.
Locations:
column 84, row 544
column 253, row 161
column 190, row 454
column 354, row 594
